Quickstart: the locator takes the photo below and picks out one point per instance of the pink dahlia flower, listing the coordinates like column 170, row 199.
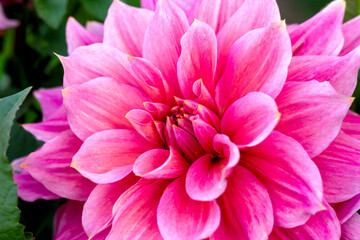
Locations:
column 203, row 119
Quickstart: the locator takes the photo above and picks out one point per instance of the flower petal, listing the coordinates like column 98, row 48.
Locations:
column 251, row 15
column 339, row 166
column 350, row 229
column 311, row 113
column 322, row 226
column 160, row 164
column 351, row 125
column 341, row 72
column 246, row 211
column 204, row 133
column 50, row 101
column 249, row 120
column 6, row 23
column 322, row 34
column 351, row 35
column 256, row 62
column 50, row 165
column 179, row 217
column 97, row 213
column 197, row 59
column 345, row 210
column 108, row 156
column 206, row 11
column 183, row 4
column 167, row 27
column 126, row 35
column 290, row 176
column 100, row 104
column 136, row 216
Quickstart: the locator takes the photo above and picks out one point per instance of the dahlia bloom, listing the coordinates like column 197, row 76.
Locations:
column 202, row 119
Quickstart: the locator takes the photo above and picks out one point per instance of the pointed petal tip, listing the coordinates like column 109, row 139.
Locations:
column 64, row 92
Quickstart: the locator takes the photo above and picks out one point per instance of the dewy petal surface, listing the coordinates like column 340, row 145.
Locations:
column 290, row 177
column 256, row 62
column 167, row 27
column 50, row 165
column 126, row 35
column 246, row 211
column 311, row 113
column 108, row 156
column 100, row 104
column 179, row 217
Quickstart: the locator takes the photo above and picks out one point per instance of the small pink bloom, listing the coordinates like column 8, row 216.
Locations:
column 204, row 119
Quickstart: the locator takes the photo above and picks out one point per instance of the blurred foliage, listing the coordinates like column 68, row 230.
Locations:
column 27, row 59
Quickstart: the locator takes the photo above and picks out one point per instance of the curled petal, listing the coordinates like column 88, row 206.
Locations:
column 188, row 144
column 204, row 133
column 345, row 210
column 350, row 229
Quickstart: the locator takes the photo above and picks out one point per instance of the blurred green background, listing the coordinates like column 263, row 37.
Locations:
column 27, row 59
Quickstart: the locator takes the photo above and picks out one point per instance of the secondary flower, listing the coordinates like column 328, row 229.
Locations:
column 206, row 119
column 6, row 23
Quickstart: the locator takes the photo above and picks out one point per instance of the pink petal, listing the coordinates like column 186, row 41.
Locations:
column 67, row 222
column 322, row 34
column 128, row 35
column 28, row 188
column 339, row 166
column 350, row 229
column 95, row 28
column 180, row 217
column 206, row 11
column 158, row 111
column 136, row 216
column 341, row 72
column 227, row 10
column 50, row 165
column 256, row 62
column 204, row 133
column 197, row 59
column 108, row 156
column 345, row 210
column 144, row 124
column 77, row 35
column 203, row 95
column 249, row 120
column 50, row 101
column 100, row 104
column 251, row 15
column 206, row 178
column 160, row 164
column 246, row 211
column 351, row 35
column 351, row 125
column 45, row 131
column 204, row 113
column 290, row 176
column 311, row 113
column 188, row 144
column 97, row 213
column 6, row 23
column 93, row 61
column 167, row 27
column 183, row 4
column 322, row 226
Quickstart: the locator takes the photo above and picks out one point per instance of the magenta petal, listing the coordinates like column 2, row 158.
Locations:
column 188, row 144
column 77, row 35
column 136, row 216
column 45, row 131
column 29, row 189
column 290, row 176
column 197, row 59
column 341, row 72
column 246, row 211
column 258, row 61
column 167, row 27
column 251, row 15
column 6, row 23
column 339, row 166
column 351, row 35
column 97, row 213
column 179, row 217
column 108, row 156
column 227, row 10
column 204, row 133
column 322, row 34
column 351, row 125
column 50, row 165
column 324, row 225
column 160, row 164
column 345, row 210
column 95, row 28
column 249, row 120
column 350, row 229
column 183, row 4
column 67, row 222
column 311, row 113
column 206, row 177
column 93, row 61
column 203, row 95
column 206, row 11
column 100, row 104
column 128, row 35
column 50, row 101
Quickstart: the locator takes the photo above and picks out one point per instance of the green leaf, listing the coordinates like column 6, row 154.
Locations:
column 97, row 8
column 10, row 228
column 352, row 9
column 51, row 11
